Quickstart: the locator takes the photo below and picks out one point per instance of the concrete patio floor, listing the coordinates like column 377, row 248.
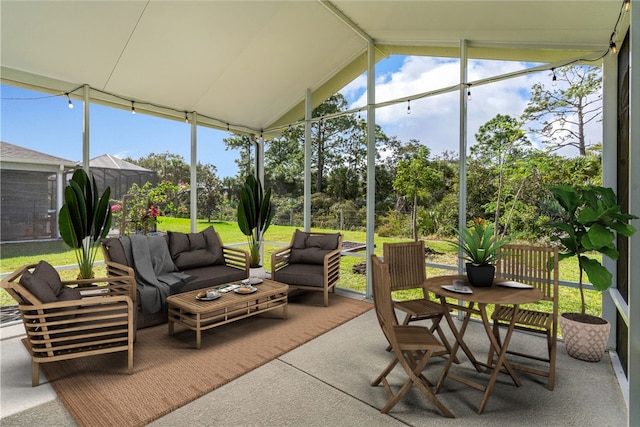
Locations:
column 326, row 382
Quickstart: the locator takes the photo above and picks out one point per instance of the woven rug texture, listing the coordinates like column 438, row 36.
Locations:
column 169, row 372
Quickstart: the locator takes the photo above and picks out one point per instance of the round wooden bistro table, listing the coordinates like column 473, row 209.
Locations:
column 482, row 296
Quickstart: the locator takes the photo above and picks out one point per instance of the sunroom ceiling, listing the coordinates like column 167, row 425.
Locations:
column 249, row 63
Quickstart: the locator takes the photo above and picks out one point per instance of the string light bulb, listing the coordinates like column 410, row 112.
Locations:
column 186, row 118
column 133, row 109
column 627, row 5
column 469, row 94
column 554, row 79
column 614, row 48
column 408, row 106
column 70, row 103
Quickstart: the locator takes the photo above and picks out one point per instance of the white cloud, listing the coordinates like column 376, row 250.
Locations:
column 435, row 120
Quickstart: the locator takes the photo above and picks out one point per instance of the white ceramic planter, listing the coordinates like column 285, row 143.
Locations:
column 258, row 272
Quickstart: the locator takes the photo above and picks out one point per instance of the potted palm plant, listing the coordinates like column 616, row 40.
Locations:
column 84, row 219
column 255, row 212
column 479, row 244
column 591, row 215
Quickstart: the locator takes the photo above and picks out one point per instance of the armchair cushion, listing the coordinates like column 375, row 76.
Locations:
column 311, row 249
column 302, row 274
column 46, row 272
column 299, row 239
column 38, row 287
column 44, row 283
column 308, row 256
column 327, row 242
column 69, row 294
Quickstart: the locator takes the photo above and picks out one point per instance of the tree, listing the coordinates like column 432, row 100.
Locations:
column 169, row 167
column 209, row 191
column 244, row 144
column 500, row 142
column 565, row 110
column 416, row 178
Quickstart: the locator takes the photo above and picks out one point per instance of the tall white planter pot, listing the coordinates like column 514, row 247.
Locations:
column 585, row 341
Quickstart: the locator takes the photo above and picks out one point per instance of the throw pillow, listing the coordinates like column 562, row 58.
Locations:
column 214, row 245
column 46, row 272
column 116, row 251
column 69, row 294
column 300, row 239
column 325, row 241
column 196, row 241
column 178, row 243
column 308, row 256
column 38, row 287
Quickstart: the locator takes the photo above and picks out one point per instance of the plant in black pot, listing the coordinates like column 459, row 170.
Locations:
column 587, row 224
column 84, row 219
column 479, row 244
column 255, row 212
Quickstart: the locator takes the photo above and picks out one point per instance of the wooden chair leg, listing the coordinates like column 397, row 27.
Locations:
column 35, row 374
column 552, row 341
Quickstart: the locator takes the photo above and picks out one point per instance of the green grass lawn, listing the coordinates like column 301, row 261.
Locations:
column 14, row 255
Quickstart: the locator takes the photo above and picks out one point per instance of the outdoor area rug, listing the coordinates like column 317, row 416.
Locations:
column 169, row 372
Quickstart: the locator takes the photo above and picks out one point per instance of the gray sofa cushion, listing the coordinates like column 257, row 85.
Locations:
column 195, row 250
column 213, row 245
column 116, row 251
column 210, row 276
column 301, row 274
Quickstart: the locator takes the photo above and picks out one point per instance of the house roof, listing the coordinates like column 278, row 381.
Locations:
column 247, row 65
column 107, row 161
column 14, row 154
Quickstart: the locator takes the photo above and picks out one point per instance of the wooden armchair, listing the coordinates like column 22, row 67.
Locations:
column 311, row 262
column 68, row 319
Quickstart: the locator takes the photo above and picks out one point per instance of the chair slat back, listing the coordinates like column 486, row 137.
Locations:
column 530, row 265
column 382, row 298
column 406, row 264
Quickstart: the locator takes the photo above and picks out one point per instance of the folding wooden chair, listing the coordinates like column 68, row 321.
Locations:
column 413, row 346
column 406, row 271
column 531, row 265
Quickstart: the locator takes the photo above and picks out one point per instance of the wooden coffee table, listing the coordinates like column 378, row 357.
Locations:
column 186, row 310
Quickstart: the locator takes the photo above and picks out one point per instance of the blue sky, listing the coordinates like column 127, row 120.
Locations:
column 44, row 123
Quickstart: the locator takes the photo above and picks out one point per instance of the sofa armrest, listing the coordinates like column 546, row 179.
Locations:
column 237, row 258
column 280, row 259
column 332, row 265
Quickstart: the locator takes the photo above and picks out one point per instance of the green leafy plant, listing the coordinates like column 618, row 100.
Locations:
column 255, row 212
column 84, row 219
column 479, row 242
column 591, row 215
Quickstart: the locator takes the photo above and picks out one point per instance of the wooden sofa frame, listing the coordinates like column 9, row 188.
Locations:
column 102, row 321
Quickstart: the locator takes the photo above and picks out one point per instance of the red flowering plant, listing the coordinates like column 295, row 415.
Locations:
column 148, row 219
